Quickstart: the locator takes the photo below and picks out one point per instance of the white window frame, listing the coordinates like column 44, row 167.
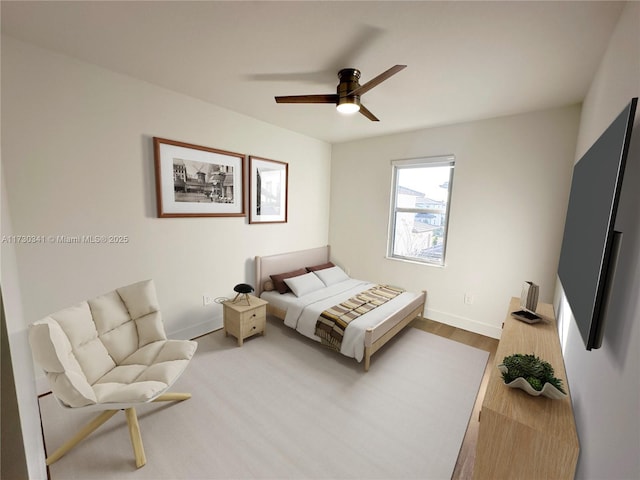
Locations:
column 439, row 161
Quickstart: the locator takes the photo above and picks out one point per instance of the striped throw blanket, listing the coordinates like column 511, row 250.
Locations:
column 333, row 322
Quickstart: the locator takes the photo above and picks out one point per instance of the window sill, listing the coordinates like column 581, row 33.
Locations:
column 415, row 262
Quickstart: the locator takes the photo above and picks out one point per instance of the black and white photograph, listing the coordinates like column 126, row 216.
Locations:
column 268, row 190
column 193, row 180
column 202, row 182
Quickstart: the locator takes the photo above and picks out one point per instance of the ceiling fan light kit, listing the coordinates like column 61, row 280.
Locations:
column 347, row 97
column 348, row 106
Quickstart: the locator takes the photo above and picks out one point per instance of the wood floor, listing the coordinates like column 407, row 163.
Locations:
column 466, row 458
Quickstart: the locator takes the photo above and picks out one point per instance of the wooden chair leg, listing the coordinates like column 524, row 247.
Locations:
column 132, row 422
column 173, row 397
column 81, row 435
column 136, row 438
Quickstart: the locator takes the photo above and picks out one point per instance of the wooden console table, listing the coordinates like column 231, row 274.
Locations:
column 521, row 436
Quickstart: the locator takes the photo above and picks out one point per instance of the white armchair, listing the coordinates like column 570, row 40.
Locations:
column 110, row 353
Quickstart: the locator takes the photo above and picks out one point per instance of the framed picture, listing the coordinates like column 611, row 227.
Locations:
column 267, row 190
column 195, row 181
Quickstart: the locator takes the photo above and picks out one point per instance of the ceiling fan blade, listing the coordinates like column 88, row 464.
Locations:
column 329, row 98
column 365, row 111
column 377, row 80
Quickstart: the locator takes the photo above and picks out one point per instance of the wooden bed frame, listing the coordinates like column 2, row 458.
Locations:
column 375, row 337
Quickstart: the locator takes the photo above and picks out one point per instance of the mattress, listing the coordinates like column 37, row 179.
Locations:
column 303, row 312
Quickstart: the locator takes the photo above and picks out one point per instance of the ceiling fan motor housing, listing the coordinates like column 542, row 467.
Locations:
column 348, row 83
column 347, row 97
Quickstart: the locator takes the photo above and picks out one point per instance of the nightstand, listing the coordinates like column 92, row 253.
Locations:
column 242, row 320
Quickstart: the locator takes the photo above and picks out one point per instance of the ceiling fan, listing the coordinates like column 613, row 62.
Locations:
column 347, row 97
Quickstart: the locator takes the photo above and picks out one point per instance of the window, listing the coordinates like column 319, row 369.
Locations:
column 419, row 217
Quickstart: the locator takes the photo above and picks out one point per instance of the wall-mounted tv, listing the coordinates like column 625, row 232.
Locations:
column 590, row 243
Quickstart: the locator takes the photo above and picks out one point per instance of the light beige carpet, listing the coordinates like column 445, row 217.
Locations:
column 282, row 407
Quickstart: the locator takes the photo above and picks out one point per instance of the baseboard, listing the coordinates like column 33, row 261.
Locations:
column 197, row 330
column 464, row 323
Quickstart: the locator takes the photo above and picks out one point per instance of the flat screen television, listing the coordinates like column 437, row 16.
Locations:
column 590, row 243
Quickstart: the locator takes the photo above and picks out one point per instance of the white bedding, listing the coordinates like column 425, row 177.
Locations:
column 303, row 312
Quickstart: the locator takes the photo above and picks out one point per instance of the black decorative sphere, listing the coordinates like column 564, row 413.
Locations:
column 243, row 288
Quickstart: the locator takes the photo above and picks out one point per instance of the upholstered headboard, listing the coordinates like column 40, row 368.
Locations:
column 285, row 262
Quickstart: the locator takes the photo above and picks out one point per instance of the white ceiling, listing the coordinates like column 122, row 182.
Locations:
column 466, row 60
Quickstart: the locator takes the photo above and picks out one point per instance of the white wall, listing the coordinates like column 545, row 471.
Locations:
column 510, row 191
column 78, row 160
column 605, row 383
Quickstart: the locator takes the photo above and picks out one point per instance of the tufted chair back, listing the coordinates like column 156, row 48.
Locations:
column 112, row 348
column 110, row 353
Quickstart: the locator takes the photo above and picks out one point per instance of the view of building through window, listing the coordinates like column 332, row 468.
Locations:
column 420, row 210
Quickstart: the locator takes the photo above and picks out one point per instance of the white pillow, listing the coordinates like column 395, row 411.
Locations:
column 304, row 284
column 332, row 275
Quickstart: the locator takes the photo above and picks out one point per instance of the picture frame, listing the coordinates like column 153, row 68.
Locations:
column 268, row 190
column 197, row 181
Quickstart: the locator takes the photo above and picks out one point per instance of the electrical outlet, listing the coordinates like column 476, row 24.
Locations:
column 468, row 299
column 207, row 300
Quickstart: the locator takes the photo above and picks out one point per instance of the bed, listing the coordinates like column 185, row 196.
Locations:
column 365, row 335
